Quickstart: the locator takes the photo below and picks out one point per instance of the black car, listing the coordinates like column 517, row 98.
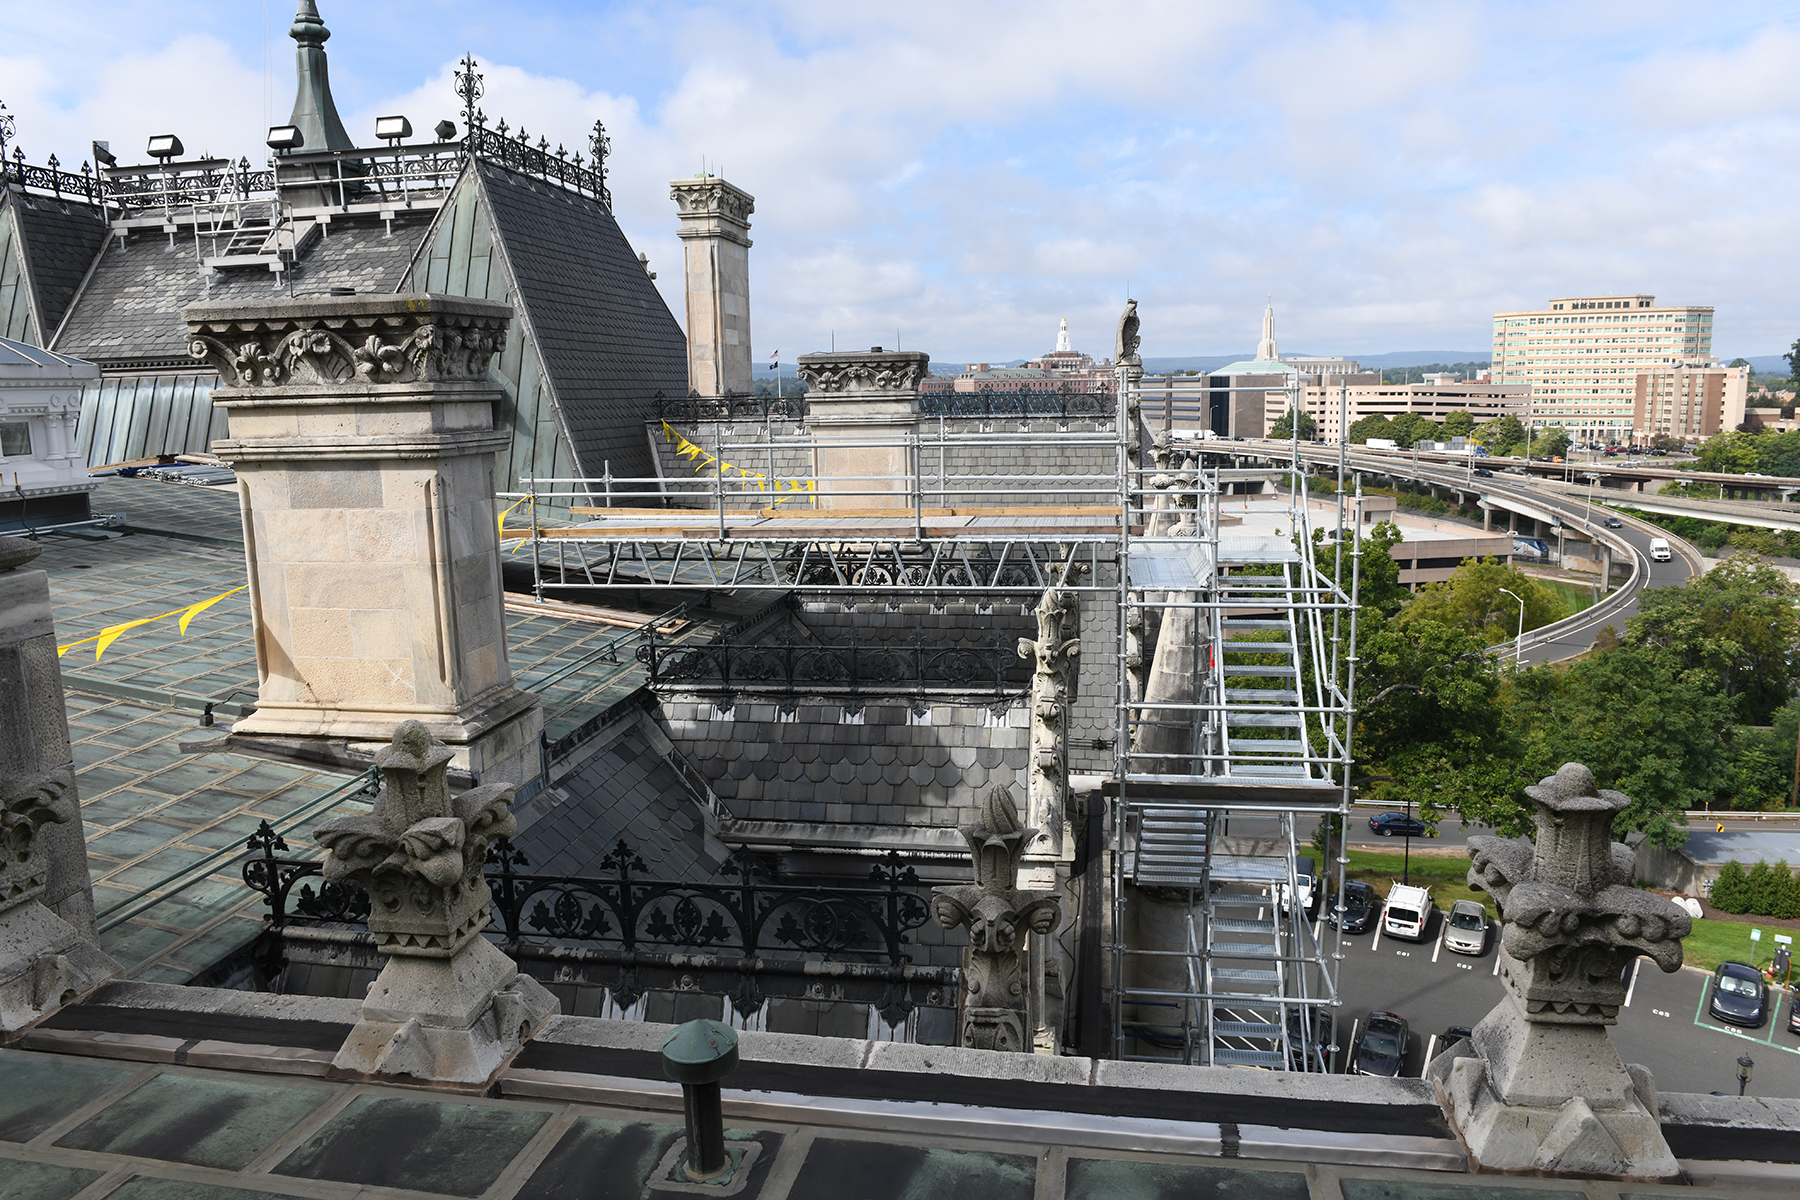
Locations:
column 1739, row 995
column 1360, row 906
column 1381, row 1046
column 1614, row 523
column 1484, row 473
column 1794, row 1016
column 1393, row 824
column 1455, row 1034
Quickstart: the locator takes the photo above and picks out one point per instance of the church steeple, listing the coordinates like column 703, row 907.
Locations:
column 1267, row 350
column 314, row 113
column 1062, row 338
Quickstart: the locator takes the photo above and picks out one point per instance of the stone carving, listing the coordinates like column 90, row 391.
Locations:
column 998, row 988
column 1125, row 347
column 1539, row 1086
column 45, row 960
column 871, row 371
column 1052, row 688
column 712, row 195
column 448, row 1004
column 348, row 348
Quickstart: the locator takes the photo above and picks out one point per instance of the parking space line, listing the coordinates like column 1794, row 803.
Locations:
column 1350, row 1047
column 1496, row 969
column 1436, row 948
column 1376, row 944
column 1636, row 965
column 1429, row 1046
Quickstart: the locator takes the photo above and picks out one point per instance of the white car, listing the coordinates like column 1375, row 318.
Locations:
column 1659, row 550
column 1303, row 877
column 1465, row 931
column 1408, row 912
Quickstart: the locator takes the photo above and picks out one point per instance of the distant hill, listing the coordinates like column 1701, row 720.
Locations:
column 1768, row 364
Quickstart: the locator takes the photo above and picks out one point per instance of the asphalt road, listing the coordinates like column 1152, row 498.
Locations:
column 1662, row 1025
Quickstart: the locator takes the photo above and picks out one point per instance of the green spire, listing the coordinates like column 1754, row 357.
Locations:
column 314, row 113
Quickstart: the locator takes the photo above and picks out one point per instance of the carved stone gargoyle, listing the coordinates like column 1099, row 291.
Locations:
column 1539, row 1086
column 448, row 1005
column 1053, row 681
column 998, row 983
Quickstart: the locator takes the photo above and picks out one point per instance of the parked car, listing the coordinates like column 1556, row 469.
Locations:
column 1455, row 1034
column 1381, row 1046
column 1614, row 523
column 1739, row 995
column 1794, row 1016
column 1407, row 913
column 1360, row 906
column 1465, row 931
column 1393, row 824
column 1305, row 877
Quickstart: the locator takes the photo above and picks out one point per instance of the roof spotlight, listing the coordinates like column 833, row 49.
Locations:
column 285, row 137
column 445, row 130
column 164, row 146
column 392, row 129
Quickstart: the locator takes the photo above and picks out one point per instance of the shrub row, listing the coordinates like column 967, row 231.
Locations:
column 1764, row 890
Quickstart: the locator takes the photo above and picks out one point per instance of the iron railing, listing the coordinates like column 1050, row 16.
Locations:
column 1064, row 404
column 729, row 928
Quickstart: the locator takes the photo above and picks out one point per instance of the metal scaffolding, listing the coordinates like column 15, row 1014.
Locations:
column 1241, row 714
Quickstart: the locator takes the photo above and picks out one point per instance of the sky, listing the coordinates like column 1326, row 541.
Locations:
column 955, row 177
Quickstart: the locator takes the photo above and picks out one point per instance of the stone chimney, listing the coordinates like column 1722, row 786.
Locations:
column 863, row 397
column 362, row 432
column 715, row 237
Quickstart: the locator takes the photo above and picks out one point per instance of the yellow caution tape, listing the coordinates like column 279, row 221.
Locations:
column 112, row 633
column 703, row 461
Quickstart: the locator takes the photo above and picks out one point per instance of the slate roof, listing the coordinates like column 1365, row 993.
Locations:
column 60, row 241
column 130, row 310
column 628, row 790
column 607, row 341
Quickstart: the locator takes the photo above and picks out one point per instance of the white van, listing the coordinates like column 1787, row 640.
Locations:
column 1659, row 550
column 1408, row 912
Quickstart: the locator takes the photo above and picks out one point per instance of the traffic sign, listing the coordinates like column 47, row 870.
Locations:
column 1756, row 935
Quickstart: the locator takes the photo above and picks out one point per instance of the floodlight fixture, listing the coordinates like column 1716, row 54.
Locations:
column 103, row 154
column 164, row 146
column 392, row 129
column 285, row 137
column 445, row 130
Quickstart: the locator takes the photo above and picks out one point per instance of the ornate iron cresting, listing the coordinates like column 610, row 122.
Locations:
column 864, row 670
column 693, row 408
column 730, row 927
column 1064, row 404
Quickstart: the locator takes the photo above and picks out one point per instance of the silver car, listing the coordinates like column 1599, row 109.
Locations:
column 1466, row 930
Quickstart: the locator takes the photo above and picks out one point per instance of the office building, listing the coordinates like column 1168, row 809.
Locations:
column 1692, row 399
column 1581, row 356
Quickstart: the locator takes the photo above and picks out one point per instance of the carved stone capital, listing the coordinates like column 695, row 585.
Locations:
column 710, row 207
column 871, row 374
column 347, row 342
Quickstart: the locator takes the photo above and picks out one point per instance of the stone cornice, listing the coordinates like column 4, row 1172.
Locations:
column 349, row 342
column 711, row 197
column 395, row 446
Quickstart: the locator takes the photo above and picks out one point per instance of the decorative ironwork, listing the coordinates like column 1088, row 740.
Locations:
column 601, row 145
column 8, row 129
column 853, row 668
column 1065, row 404
column 694, row 408
column 738, row 922
column 469, row 89
column 517, row 155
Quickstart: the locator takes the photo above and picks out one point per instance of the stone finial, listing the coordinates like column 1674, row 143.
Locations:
column 420, row 853
column 1539, row 1086
column 17, row 551
column 999, row 987
column 1126, row 345
column 448, row 1005
column 1053, row 653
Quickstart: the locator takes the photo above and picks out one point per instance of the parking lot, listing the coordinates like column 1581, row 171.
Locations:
column 1663, row 1026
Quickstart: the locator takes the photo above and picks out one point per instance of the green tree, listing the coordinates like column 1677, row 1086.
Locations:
column 1733, row 453
column 1738, row 624
column 1758, row 769
column 1793, row 360
column 1380, row 593
column 1472, row 600
column 1663, row 441
column 1284, row 428
column 1779, row 453
column 1411, row 427
column 1639, row 721
column 1459, row 424
column 1787, row 893
column 1430, row 730
column 1730, row 889
column 1759, row 889
column 1370, row 427
column 1499, row 435
column 1552, row 443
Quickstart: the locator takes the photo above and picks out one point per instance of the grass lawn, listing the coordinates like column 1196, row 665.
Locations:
column 1712, row 942
column 1576, row 597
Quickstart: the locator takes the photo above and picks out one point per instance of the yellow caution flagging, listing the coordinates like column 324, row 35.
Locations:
column 706, row 462
column 112, row 633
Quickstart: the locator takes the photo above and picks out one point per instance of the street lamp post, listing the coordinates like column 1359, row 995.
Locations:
column 1746, row 1068
column 1519, row 657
